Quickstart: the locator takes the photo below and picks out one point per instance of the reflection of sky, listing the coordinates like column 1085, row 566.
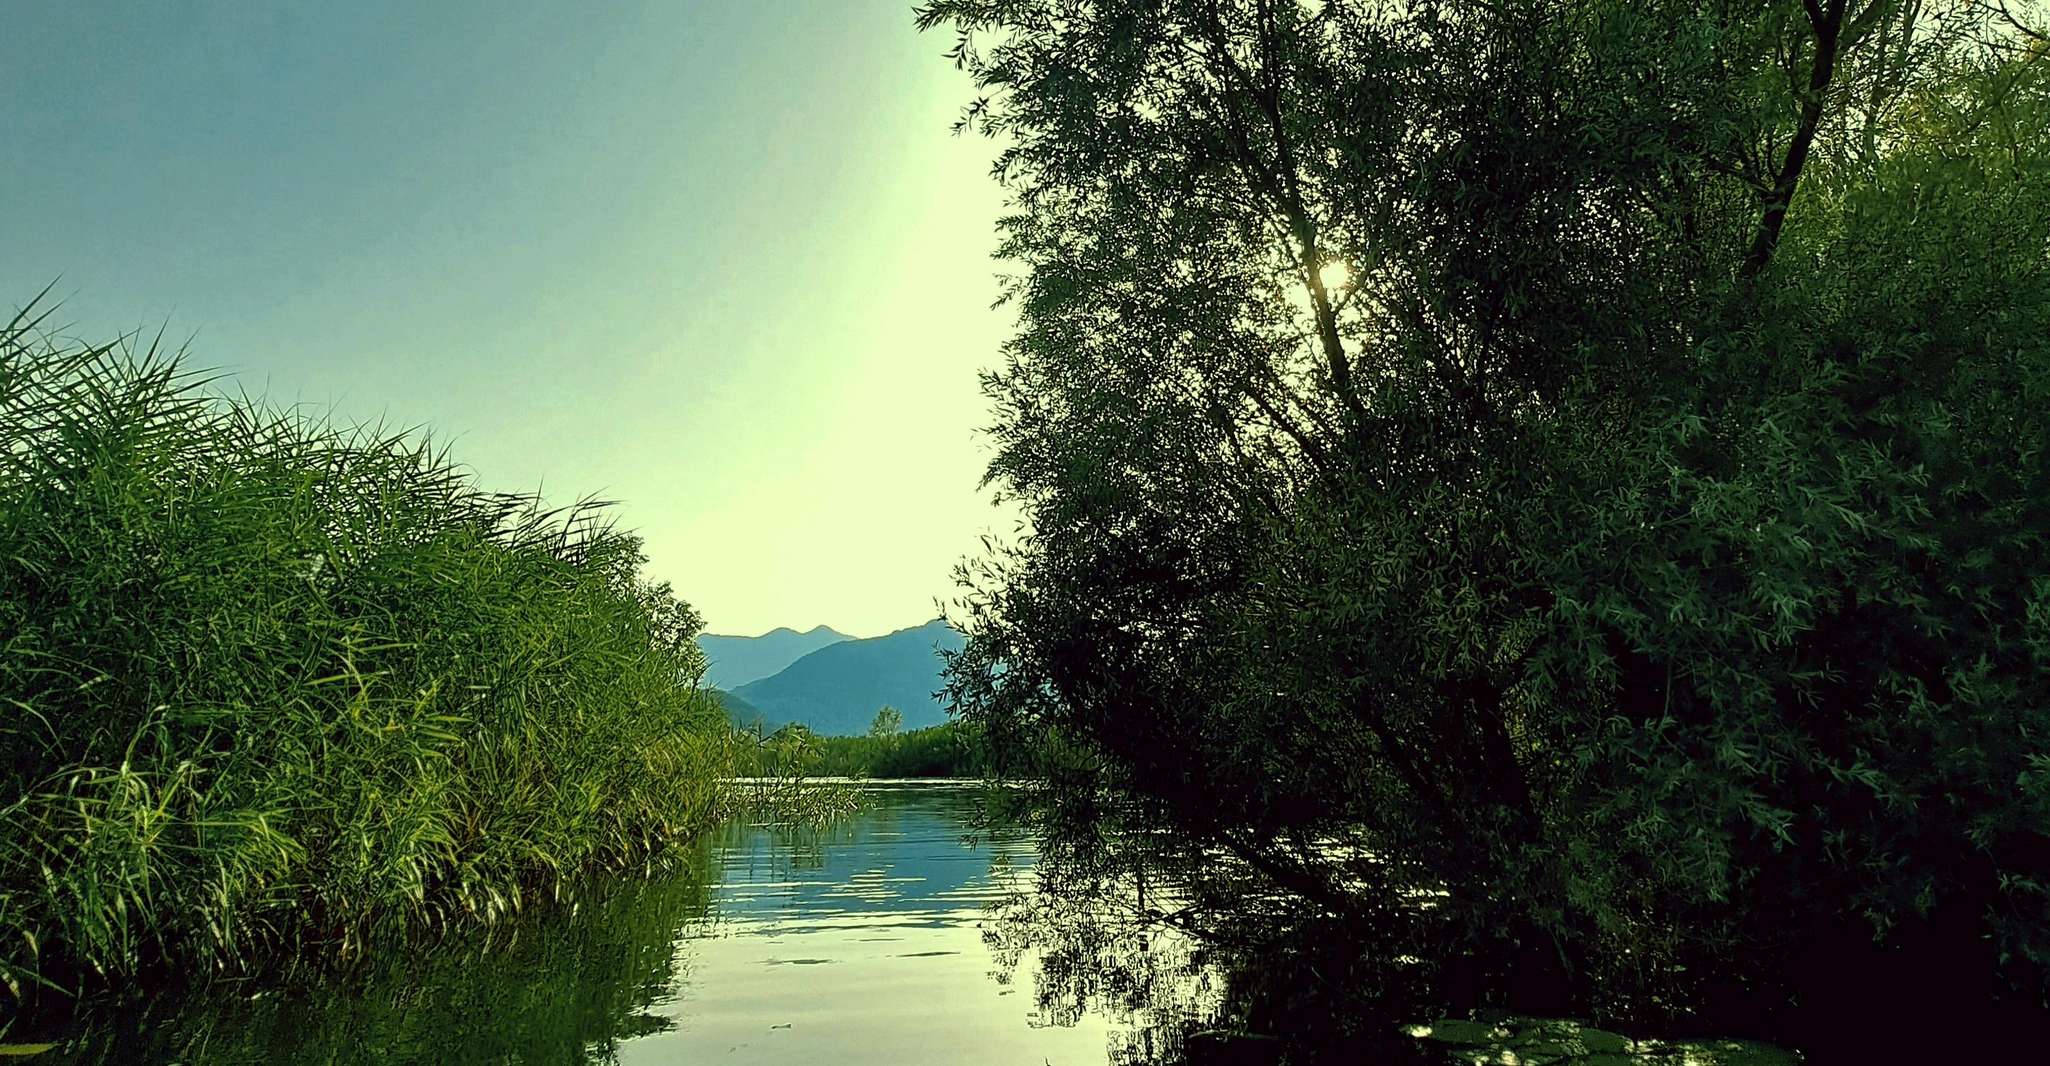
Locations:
column 901, row 859
column 861, row 944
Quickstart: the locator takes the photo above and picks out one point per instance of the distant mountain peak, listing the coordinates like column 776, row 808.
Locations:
column 785, row 631
column 837, row 689
column 734, row 661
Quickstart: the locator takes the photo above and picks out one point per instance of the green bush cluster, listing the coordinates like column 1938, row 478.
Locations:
column 945, row 750
column 266, row 682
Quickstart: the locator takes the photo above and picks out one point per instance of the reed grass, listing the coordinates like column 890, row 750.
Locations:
column 268, row 684
column 781, row 783
column 796, row 800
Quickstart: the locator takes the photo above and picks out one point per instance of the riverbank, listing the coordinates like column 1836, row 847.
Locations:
column 282, row 689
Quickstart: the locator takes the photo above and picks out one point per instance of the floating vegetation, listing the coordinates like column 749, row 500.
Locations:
column 1515, row 1041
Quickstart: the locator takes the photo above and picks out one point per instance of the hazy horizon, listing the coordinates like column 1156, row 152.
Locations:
column 803, row 629
column 722, row 263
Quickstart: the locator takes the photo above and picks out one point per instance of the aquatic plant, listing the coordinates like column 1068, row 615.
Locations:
column 270, row 681
column 781, row 782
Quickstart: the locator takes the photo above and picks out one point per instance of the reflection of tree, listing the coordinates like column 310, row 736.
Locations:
column 562, row 987
column 1196, row 962
column 1087, row 958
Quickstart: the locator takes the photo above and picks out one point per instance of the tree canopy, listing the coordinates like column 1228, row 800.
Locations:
column 1579, row 461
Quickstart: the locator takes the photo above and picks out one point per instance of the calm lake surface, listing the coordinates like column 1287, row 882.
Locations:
column 895, row 936
column 860, row 943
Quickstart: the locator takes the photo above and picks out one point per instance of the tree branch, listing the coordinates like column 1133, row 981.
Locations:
column 1279, row 186
column 1825, row 20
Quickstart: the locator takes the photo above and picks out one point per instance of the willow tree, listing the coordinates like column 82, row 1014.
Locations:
column 1581, row 462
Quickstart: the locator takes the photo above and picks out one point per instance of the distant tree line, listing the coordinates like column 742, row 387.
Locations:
column 946, row 750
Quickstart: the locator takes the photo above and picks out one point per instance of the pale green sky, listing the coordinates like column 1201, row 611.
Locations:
column 719, row 260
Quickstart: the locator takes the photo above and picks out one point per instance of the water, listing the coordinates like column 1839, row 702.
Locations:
column 889, row 938
column 862, row 943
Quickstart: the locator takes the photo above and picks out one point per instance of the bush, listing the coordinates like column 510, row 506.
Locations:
column 945, row 750
column 268, row 681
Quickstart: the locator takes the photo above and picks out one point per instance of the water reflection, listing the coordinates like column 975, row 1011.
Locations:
column 1084, row 959
column 887, row 938
column 864, row 943
column 872, row 941
column 574, row 988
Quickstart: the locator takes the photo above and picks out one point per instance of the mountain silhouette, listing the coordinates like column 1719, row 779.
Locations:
column 735, row 661
column 837, row 689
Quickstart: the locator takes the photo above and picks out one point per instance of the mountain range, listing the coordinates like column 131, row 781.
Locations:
column 836, row 688
column 739, row 660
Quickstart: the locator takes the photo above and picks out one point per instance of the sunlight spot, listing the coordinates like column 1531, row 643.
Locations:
column 1335, row 275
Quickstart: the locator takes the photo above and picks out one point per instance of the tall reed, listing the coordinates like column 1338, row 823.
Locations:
column 267, row 682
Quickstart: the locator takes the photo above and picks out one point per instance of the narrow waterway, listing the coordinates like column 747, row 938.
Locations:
column 860, row 943
column 897, row 935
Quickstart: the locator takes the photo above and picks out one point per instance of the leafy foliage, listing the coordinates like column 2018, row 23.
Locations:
column 949, row 750
column 267, row 681
column 1579, row 463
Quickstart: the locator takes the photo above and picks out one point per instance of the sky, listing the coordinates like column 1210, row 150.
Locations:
column 721, row 261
